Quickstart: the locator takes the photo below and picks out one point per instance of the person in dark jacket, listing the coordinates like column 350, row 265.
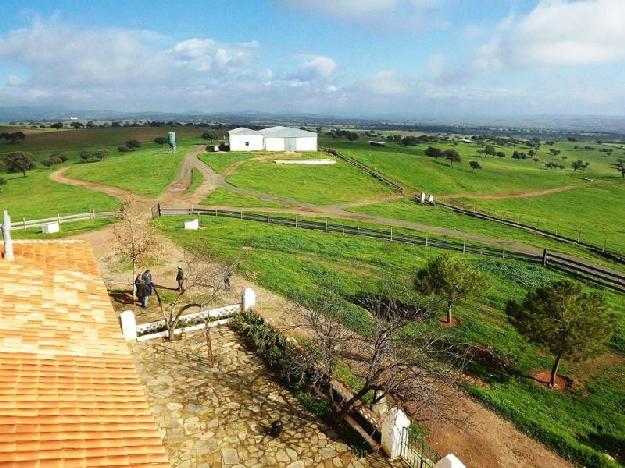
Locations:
column 143, row 295
column 180, row 279
column 147, row 279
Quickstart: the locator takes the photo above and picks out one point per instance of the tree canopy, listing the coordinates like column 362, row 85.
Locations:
column 565, row 320
column 452, row 156
column 579, row 165
column 475, row 165
column 451, row 279
column 19, row 161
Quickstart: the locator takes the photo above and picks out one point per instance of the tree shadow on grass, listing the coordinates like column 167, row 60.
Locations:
column 608, row 443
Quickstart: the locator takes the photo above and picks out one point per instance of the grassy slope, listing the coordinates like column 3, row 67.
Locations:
column 410, row 166
column 312, row 184
column 36, row 196
column 224, row 197
column 597, row 212
column 146, row 171
column 439, row 216
column 579, row 424
column 220, row 161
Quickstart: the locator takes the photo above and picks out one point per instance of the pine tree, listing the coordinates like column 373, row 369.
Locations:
column 451, row 279
column 564, row 320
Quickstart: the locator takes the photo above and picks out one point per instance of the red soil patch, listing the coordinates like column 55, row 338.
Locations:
column 544, row 378
column 453, row 324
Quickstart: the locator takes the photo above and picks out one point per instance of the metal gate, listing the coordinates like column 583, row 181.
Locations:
column 290, row 144
column 416, row 452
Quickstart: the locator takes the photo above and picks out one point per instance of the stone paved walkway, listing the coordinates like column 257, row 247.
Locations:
column 217, row 417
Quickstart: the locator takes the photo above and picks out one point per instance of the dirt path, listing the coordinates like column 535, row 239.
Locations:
column 61, row 177
column 505, row 195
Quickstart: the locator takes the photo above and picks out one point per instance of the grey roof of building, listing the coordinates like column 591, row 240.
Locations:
column 286, row 132
column 243, row 131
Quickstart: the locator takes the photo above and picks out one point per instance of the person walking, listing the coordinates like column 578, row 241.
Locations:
column 227, row 280
column 138, row 281
column 143, row 295
column 180, row 279
column 147, row 279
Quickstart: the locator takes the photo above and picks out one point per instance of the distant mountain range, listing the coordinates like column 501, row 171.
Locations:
column 595, row 124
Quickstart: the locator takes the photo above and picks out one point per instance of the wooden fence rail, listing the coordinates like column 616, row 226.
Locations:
column 615, row 256
column 363, row 167
column 554, row 260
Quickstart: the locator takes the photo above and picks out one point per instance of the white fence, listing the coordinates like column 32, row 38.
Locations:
column 187, row 323
column 36, row 223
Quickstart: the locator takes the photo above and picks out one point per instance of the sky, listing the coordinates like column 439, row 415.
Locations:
column 358, row 58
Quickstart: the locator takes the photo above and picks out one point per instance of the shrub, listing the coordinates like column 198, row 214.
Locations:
column 124, row 149
column 160, row 140
column 133, row 144
column 51, row 161
column 3, row 181
column 100, row 154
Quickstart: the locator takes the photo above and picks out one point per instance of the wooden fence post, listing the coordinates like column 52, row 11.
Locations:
column 24, row 221
column 464, row 246
column 391, row 234
column 426, row 240
column 158, row 205
column 295, row 220
column 544, row 257
column 326, row 224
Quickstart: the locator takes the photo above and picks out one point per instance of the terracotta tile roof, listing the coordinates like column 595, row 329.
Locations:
column 69, row 391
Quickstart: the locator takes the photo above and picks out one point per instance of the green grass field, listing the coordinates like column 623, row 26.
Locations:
column 580, row 424
column 410, row 167
column 310, row 184
column 441, row 217
column 219, row 162
column 224, row 197
column 36, row 196
column 596, row 214
column 146, row 171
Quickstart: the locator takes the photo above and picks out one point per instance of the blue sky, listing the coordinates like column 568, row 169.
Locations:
column 399, row 58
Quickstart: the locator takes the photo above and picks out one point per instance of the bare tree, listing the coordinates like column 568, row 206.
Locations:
column 135, row 239
column 204, row 282
column 412, row 369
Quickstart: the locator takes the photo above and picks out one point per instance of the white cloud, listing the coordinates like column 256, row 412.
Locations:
column 207, row 54
column 49, row 62
column 559, row 32
column 316, row 67
column 388, row 82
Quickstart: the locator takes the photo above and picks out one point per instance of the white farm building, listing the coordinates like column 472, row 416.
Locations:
column 272, row 139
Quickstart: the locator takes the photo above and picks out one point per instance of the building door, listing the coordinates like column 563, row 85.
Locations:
column 290, row 144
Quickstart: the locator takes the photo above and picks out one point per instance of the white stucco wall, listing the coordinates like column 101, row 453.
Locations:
column 307, row 144
column 237, row 142
column 274, row 144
